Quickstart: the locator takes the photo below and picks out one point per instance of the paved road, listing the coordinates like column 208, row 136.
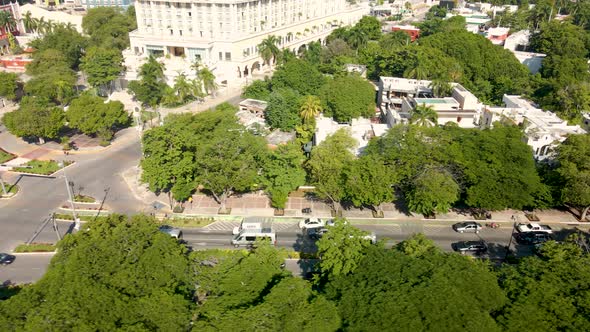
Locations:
column 98, row 174
column 289, row 236
column 26, row 268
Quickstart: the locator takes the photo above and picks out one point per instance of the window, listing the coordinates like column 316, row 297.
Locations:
column 180, row 32
column 250, row 238
column 189, row 14
column 171, row 32
column 220, row 56
column 227, row 56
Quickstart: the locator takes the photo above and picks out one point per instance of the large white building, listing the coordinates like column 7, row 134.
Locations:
column 224, row 34
column 398, row 97
column 543, row 130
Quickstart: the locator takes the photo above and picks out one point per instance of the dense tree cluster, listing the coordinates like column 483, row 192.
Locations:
column 121, row 273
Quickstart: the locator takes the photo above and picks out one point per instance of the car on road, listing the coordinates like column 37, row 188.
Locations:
column 536, row 237
column 315, row 223
column 316, row 233
column 533, row 227
column 6, row 259
column 172, row 231
column 477, row 247
column 467, row 227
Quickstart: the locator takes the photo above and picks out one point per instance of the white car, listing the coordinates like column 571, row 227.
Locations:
column 312, row 223
column 469, row 226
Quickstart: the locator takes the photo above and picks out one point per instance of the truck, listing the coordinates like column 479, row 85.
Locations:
column 253, row 224
column 533, row 227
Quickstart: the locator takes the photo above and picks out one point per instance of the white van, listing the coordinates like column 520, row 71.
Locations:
column 253, row 224
column 248, row 238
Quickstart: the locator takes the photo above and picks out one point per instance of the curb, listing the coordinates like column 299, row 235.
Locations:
column 45, row 253
column 13, row 196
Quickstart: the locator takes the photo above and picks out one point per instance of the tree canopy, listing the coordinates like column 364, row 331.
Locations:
column 36, row 117
column 91, row 115
column 348, row 97
column 120, row 273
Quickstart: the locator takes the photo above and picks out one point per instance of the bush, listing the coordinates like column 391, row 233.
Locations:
column 84, row 199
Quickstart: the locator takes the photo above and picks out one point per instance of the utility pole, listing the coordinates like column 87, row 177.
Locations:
column 4, row 192
column 69, row 189
column 514, row 219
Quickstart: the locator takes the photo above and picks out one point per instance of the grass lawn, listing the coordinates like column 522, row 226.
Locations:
column 43, row 167
column 5, row 156
column 65, row 216
column 84, row 199
column 10, row 189
column 35, row 247
column 189, row 222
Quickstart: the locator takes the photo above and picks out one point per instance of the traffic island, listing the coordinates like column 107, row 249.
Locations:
column 5, row 156
column 40, row 167
column 11, row 191
column 84, row 199
column 35, row 247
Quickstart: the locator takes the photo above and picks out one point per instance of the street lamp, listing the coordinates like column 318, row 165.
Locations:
column 5, row 193
column 62, row 164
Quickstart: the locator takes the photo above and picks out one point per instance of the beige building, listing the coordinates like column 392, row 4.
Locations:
column 224, row 34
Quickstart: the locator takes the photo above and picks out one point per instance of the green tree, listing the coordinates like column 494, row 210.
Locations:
column 424, row 116
column 150, row 87
column 209, row 149
column 370, row 26
column 108, row 27
column 417, row 293
column 102, row 66
column 327, row 164
column 120, row 273
column 432, row 191
column 91, row 115
column 56, row 84
column 298, row 75
column 8, row 85
column 67, row 41
column 369, row 182
column 573, row 156
column 47, row 60
column 357, row 38
column 310, row 108
column 546, row 295
column 348, row 97
column 258, row 89
column 283, row 173
column 282, row 109
column 418, row 245
column 35, row 117
column 342, row 247
column 268, row 49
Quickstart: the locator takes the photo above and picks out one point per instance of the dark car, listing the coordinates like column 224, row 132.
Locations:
column 316, row 233
column 477, row 247
column 6, row 259
column 533, row 237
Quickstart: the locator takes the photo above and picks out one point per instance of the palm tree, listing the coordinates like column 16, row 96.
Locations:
column 269, row 50
column 310, row 108
column 208, row 79
column 7, row 22
column 357, row 38
column 424, row 116
column 417, row 72
column 440, row 87
column 185, row 89
column 29, row 22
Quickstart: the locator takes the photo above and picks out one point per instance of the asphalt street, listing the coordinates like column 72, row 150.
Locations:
column 26, row 268
column 99, row 175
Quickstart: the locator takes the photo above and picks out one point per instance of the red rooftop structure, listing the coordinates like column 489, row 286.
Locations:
column 410, row 30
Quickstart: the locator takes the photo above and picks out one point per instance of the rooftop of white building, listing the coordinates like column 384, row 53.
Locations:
column 361, row 129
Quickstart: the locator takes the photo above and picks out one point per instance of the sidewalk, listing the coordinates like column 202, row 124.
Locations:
column 258, row 204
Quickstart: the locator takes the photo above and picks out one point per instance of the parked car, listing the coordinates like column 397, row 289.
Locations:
column 533, row 227
column 6, row 259
column 316, row 233
column 477, row 247
column 172, row 231
column 312, row 223
column 468, row 226
column 533, row 237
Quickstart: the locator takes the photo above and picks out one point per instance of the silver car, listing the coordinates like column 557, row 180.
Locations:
column 468, row 226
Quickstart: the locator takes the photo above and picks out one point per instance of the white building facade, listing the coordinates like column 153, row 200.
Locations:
column 543, row 130
column 224, row 34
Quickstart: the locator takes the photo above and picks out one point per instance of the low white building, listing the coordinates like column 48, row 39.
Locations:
column 543, row 129
column 361, row 129
column 397, row 97
column 518, row 44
